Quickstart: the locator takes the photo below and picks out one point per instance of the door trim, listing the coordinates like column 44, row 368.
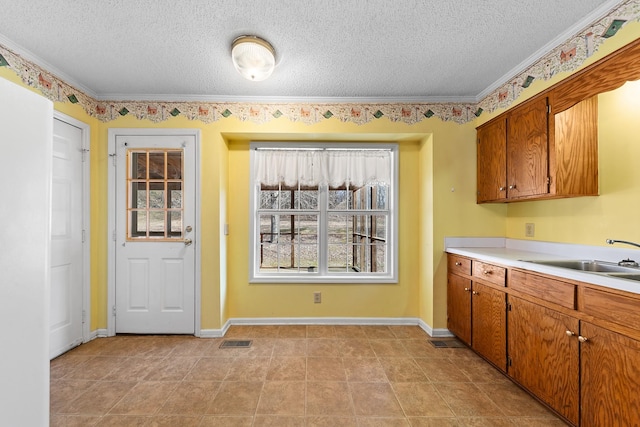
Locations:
column 111, row 229
column 85, row 130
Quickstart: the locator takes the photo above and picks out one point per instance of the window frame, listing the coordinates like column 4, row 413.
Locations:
column 322, row 275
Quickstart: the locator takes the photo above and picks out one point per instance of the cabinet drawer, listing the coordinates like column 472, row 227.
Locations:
column 621, row 309
column 490, row 273
column 458, row 265
column 552, row 290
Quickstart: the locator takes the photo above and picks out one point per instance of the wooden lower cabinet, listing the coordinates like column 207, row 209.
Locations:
column 543, row 354
column 459, row 307
column 476, row 314
column 489, row 324
column 551, row 336
column 610, row 378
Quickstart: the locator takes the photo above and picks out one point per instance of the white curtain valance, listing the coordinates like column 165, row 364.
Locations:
column 333, row 168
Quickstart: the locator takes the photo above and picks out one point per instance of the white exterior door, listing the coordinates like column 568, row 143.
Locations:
column 154, row 238
column 66, row 297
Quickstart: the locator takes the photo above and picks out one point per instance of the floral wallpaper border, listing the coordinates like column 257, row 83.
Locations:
column 565, row 58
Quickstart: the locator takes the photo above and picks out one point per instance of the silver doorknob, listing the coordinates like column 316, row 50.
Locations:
column 188, row 229
column 188, row 242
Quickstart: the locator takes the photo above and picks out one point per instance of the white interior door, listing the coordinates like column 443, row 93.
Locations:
column 155, row 218
column 66, row 297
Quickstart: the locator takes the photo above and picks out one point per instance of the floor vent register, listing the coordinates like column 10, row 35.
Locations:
column 447, row 344
column 235, row 344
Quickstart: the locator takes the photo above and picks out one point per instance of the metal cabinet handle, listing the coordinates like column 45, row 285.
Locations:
column 458, row 263
column 512, row 187
column 582, row 339
column 475, row 293
column 487, row 272
column 502, row 188
column 467, row 289
column 188, row 242
column 570, row 333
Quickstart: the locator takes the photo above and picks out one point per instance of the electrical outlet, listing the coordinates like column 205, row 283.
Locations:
column 529, row 229
column 317, row 297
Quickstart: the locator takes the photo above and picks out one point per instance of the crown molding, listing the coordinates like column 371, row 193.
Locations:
column 36, row 60
column 602, row 11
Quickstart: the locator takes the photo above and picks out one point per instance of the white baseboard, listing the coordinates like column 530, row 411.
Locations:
column 434, row 333
column 362, row 321
column 98, row 333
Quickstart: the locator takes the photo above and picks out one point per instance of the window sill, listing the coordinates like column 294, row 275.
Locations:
column 303, row 280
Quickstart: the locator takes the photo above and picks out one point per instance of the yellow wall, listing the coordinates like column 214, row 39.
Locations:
column 437, row 199
column 226, row 292
column 612, row 214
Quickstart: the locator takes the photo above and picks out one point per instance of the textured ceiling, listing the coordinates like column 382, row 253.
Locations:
column 376, row 49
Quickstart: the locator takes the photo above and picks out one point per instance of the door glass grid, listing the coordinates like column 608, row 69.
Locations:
column 154, row 194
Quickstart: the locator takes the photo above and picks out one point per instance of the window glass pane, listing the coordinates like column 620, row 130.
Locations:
column 139, row 195
column 138, row 221
column 380, row 257
column 340, row 228
column 156, row 195
column 379, row 225
column 139, row 165
column 156, row 165
column 156, row 223
column 306, row 256
column 284, row 255
column 285, row 199
column 269, row 199
column 307, row 225
column 307, row 199
column 174, row 165
column 175, row 224
column 339, row 199
column 268, row 229
column 381, row 197
column 283, row 225
column 175, row 194
column 268, row 256
column 339, row 258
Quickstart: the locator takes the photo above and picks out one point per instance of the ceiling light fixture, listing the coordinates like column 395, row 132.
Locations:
column 253, row 57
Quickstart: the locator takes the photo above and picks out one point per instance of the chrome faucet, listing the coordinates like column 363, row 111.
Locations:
column 611, row 242
column 625, row 262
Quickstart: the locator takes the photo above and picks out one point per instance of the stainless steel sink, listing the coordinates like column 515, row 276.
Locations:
column 593, row 266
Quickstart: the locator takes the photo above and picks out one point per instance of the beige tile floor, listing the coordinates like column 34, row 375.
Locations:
column 315, row 376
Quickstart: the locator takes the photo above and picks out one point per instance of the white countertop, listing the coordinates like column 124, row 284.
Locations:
column 516, row 253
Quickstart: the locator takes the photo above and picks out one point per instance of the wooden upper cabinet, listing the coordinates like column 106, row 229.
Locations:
column 531, row 153
column 513, row 150
column 528, row 150
column 512, row 155
column 574, row 150
column 492, row 158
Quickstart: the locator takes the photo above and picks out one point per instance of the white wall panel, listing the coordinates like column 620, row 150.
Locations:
column 26, row 124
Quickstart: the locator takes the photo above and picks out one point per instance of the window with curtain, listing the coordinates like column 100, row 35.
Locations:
column 323, row 213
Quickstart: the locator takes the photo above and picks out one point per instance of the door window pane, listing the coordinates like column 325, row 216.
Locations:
column 155, row 208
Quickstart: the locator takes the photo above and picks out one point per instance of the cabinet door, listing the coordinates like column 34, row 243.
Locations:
column 492, row 161
column 543, row 354
column 528, row 150
column 610, row 382
column 488, row 308
column 459, row 307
